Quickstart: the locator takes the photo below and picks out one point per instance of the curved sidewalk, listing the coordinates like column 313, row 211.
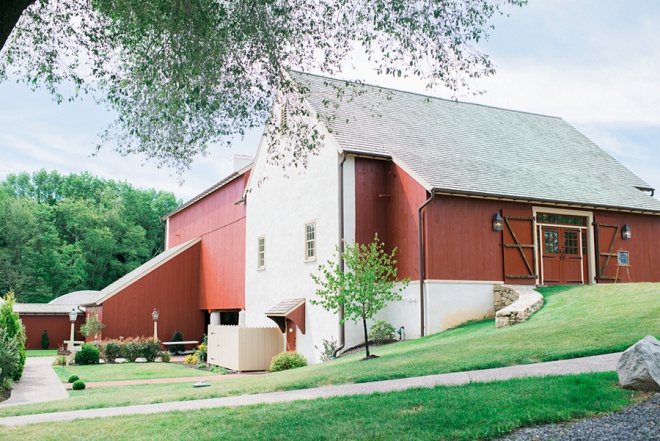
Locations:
column 599, row 363
column 38, row 384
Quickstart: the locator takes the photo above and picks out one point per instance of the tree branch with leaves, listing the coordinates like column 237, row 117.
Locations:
column 364, row 288
column 186, row 74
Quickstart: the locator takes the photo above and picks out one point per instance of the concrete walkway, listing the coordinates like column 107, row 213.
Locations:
column 601, row 363
column 38, row 384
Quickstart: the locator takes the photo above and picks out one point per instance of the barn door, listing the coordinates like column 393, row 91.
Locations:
column 606, row 237
column 518, row 249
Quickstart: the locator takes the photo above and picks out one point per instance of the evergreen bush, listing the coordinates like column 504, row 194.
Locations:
column 78, row 385
column 88, row 354
column 45, row 342
column 177, row 349
column 111, row 350
column 149, row 348
column 287, row 360
column 73, row 379
column 14, row 335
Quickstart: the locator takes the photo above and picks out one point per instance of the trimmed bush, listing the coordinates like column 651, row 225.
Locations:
column 45, row 341
column 149, row 348
column 382, row 332
column 177, row 349
column 9, row 358
column 165, row 356
column 111, row 350
column 287, row 360
column 78, row 385
column 132, row 349
column 88, row 354
column 73, row 379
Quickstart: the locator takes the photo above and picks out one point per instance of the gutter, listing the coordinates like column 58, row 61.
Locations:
column 342, row 328
column 422, row 263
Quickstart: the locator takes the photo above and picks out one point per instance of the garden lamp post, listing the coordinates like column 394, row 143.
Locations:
column 154, row 315
column 73, row 315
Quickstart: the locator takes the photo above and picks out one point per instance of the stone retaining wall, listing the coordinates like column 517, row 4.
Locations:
column 515, row 304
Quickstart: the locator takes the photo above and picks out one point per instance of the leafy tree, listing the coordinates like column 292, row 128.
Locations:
column 14, row 334
column 187, row 73
column 64, row 233
column 92, row 326
column 364, row 288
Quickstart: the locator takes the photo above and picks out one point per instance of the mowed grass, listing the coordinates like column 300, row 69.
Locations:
column 468, row 412
column 574, row 322
column 41, row 353
column 128, row 371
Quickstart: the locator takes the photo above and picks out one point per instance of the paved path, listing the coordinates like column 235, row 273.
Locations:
column 215, row 377
column 599, row 363
column 38, row 384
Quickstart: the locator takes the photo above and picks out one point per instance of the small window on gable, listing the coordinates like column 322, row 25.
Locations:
column 310, row 241
column 261, row 253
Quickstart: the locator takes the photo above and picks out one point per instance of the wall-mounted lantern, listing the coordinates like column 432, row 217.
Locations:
column 498, row 222
column 626, row 232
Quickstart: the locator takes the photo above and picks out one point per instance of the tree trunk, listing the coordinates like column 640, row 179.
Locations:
column 366, row 337
column 10, row 12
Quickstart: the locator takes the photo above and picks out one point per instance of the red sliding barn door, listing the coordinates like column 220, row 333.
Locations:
column 518, row 247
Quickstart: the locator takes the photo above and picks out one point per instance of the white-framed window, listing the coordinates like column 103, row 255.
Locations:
column 310, row 241
column 261, row 252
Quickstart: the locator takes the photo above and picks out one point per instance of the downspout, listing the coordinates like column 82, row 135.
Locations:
column 422, row 263
column 342, row 329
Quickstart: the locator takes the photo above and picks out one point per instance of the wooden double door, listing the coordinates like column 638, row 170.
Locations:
column 562, row 254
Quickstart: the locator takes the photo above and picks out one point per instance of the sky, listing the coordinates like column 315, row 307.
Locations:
column 594, row 63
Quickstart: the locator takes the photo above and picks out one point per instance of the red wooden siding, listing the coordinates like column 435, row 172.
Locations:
column 58, row 327
column 171, row 288
column 370, row 209
column 461, row 243
column 220, row 222
column 644, row 246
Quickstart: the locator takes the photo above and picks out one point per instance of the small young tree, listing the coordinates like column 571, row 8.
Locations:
column 92, row 327
column 363, row 288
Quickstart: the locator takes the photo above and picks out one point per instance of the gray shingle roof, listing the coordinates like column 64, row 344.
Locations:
column 474, row 149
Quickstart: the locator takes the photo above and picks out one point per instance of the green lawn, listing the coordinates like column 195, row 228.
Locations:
column 575, row 321
column 472, row 411
column 41, row 353
column 128, row 371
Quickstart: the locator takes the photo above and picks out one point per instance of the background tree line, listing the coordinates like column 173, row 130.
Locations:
column 60, row 234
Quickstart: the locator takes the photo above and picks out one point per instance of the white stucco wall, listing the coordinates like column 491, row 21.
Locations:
column 278, row 210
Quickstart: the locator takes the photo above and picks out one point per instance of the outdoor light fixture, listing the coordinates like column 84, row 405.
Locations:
column 154, row 315
column 73, row 315
column 497, row 222
column 626, row 232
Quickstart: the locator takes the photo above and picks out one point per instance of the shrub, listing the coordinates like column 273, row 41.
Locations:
column 177, row 349
column 14, row 330
column 45, row 342
column 382, row 332
column 111, row 350
column 191, row 359
column 78, row 385
column 88, row 354
column 165, row 356
column 328, row 351
column 9, row 358
column 149, row 348
column 287, row 360
column 73, row 379
column 60, row 360
column 131, row 349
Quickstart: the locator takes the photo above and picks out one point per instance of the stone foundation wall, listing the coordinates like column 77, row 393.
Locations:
column 515, row 304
